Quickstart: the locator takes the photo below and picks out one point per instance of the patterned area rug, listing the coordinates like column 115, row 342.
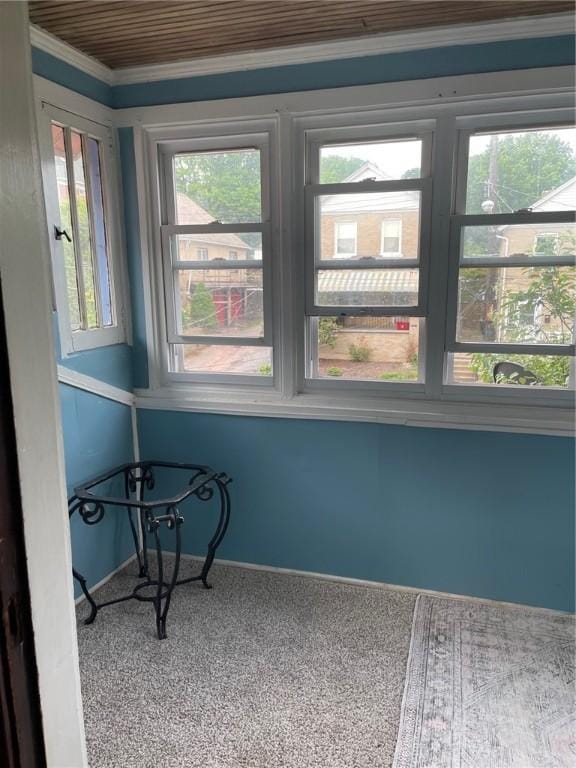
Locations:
column 488, row 687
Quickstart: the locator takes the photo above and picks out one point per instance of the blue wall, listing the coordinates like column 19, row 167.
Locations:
column 384, row 68
column 474, row 513
column 488, row 514
column 97, row 436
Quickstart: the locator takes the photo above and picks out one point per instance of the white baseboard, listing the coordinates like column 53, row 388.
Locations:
column 338, row 579
column 106, row 579
column 375, row 584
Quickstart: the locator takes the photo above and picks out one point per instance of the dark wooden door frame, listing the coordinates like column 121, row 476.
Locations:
column 21, row 740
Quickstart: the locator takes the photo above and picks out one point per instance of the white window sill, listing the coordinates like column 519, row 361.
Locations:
column 500, row 417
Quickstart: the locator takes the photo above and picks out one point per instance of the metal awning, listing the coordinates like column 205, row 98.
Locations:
column 368, row 281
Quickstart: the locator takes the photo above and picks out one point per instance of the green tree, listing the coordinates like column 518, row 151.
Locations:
column 200, row 311
column 225, row 184
column 335, row 168
column 527, row 167
column 552, row 291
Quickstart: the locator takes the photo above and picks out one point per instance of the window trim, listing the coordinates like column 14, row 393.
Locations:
column 73, row 341
column 217, row 137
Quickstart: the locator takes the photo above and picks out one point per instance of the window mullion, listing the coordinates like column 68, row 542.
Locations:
column 75, row 228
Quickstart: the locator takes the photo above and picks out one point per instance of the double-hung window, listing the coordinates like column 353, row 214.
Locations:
column 215, row 238
column 82, row 215
column 365, row 193
column 513, row 243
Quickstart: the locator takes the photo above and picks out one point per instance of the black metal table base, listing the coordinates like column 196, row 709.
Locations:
column 151, row 515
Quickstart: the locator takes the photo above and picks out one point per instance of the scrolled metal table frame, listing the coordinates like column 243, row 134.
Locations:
column 139, row 477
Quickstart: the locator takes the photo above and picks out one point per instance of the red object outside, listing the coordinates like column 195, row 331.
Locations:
column 402, row 325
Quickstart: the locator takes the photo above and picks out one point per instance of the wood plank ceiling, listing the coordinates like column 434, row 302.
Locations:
column 123, row 34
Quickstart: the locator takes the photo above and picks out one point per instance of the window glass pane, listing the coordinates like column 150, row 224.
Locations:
column 530, row 169
column 221, row 302
column 512, row 370
column 366, row 348
column 222, row 358
column 533, row 305
column 66, row 224
column 391, row 237
column 218, row 186
column 84, row 231
column 367, row 287
column 379, row 219
column 379, row 160
column 99, row 229
column 524, row 240
column 245, row 246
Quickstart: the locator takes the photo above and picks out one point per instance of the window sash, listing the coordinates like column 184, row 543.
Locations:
column 170, row 267
column 398, row 226
column 457, row 261
column 312, row 195
column 79, row 339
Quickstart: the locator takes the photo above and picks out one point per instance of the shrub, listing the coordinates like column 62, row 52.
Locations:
column 265, row 370
column 334, row 371
column 201, row 310
column 327, row 327
column 360, row 353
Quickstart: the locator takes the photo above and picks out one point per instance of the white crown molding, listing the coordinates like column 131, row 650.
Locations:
column 94, row 386
column 61, row 50
column 394, row 42
column 433, row 37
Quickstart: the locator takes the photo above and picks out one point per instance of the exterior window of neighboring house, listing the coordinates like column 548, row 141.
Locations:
column 354, row 297
column 513, row 291
column 82, row 229
column 345, row 239
column 391, row 243
column 546, row 244
column 218, row 315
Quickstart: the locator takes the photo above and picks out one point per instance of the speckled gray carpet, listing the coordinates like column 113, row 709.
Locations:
column 264, row 671
column 488, row 686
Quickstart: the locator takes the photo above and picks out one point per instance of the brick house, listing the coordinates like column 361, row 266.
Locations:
column 379, row 226
column 236, row 293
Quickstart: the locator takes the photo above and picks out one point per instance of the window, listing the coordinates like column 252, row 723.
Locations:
column 514, row 288
column 218, row 315
column 82, row 231
column 391, row 242
column 416, row 258
column 547, row 244
column 361, row 289
column 345, row 239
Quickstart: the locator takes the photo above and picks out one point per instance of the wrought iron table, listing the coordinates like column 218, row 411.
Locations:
column 139, row 477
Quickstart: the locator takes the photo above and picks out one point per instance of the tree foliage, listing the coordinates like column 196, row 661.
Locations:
column 527, row 167
column 225, row 184
column 335, row 168
column 200, row 311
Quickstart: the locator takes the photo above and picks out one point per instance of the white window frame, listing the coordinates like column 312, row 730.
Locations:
column 338, row 254
column 72, row 341
column 398, row 252
column 445, row 104
column 332, row 131
column 216, row 138
column 466, row 127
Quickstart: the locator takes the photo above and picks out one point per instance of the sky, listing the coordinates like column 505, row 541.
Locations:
column 396, row 157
